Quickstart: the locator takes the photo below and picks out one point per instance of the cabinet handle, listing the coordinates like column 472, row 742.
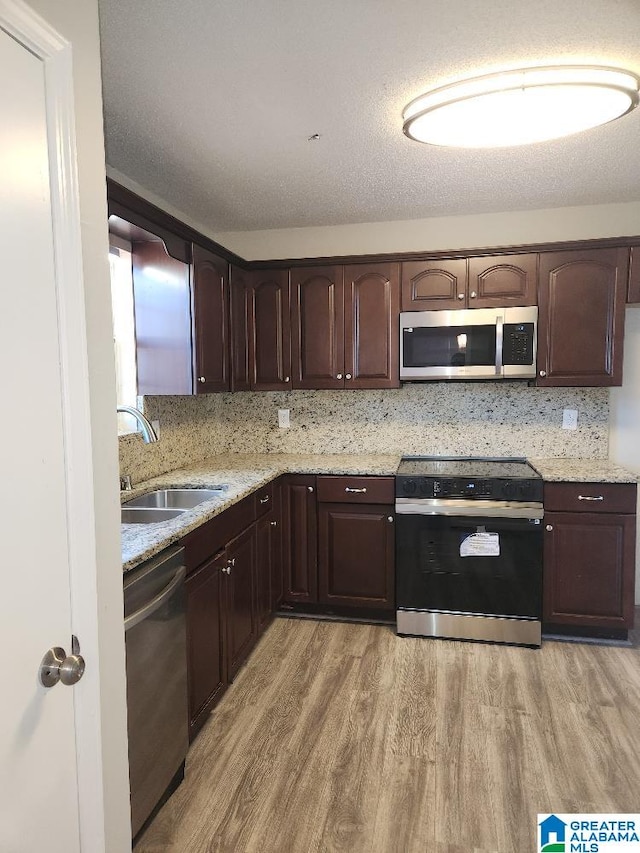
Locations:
column 347, row 376
column 339, row 376
column 231, row 562
column 390, row 519
column 543, row 373
column 309, row 488
column 549, row 528
column 461, row 296
column 356, row 491
column 264, row 500
column 201, row 379
column 226, row 570
column 274, row 523
column 588, row 498
column 473, row 294
column 286, row 378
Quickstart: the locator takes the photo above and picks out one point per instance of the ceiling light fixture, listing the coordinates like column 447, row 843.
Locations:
column 520, row 107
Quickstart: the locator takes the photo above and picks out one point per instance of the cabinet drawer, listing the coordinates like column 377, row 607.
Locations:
column 361, row 490
column 590, row 497
column 213, row 535
column 264, row 499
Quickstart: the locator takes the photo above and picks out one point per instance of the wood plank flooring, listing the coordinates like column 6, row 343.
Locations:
column 347, row 738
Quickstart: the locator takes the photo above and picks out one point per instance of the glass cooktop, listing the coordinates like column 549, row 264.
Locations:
column 442, row 466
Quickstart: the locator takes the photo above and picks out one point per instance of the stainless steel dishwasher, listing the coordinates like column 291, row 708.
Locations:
column 158, row 726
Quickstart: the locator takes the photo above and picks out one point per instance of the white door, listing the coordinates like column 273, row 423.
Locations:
column 42, row 392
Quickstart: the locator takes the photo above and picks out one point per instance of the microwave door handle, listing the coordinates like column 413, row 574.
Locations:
column 499, row 343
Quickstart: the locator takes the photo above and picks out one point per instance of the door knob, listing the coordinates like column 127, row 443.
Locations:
column 57, row 666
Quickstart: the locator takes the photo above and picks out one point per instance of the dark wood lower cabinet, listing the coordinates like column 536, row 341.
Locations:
column 589, row 556
column 356, row 555
column 242, row 625
column 265, row 535
column 206, row 653
column 300, row 539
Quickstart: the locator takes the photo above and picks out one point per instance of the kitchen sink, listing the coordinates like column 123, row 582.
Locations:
column 147, row 515
column 180, row 499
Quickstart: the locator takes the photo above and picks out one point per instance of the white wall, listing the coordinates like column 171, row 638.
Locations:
column 624, row 435
column 445, row 233
column 77, row 20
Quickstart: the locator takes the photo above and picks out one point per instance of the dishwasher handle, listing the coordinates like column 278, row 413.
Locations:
column 157, row 602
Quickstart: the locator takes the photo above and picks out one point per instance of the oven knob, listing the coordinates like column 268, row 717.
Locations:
column 409, row 487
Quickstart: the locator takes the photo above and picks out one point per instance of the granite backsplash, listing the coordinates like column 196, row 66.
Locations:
column 506, row 419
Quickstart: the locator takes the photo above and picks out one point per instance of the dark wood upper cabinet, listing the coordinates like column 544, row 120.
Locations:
column 581, row 321
column 239, row 302
column 495, row 282
column 317, row 327
column 633, row 293
column 269, row 330
column 300, row 539
column 162, row 306
column 371, row 325
column 211, row 320
column 434, row 284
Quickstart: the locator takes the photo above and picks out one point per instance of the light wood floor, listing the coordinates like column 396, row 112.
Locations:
column 343, row 737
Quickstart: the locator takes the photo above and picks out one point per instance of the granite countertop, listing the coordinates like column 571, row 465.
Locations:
column 244, row 473
column 582, row 471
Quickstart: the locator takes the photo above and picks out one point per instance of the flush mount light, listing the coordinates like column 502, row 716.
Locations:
column 520, row 107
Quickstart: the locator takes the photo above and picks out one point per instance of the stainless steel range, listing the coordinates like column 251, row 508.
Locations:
column 469, row 549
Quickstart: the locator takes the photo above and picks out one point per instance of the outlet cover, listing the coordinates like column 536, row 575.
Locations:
column 283, row 418
column 570, row 419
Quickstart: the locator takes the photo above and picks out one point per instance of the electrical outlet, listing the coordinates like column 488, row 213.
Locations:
column 570, row 419
column 283, row 418
column 156, row 426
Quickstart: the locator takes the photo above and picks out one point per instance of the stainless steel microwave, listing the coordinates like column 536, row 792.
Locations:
column 484, row 343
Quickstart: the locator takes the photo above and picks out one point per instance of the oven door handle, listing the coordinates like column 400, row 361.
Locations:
column 475, row 509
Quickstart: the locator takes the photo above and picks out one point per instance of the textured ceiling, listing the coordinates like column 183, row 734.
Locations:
column 209, row 105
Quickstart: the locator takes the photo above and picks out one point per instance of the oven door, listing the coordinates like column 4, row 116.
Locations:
column 470, row 567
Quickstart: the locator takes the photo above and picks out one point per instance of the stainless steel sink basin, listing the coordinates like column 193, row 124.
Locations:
column 176, row 498
column 147, row 515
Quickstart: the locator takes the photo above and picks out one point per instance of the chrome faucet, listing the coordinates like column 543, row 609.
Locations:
column 147, row 431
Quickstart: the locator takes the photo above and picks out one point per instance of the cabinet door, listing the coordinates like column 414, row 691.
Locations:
column 633, row 293
column 206, row 662
column 372, row 312
column 241, row 600
column 435, row 284
column 211, row 321
column 317, row 327
column 277, row 567
column 300, row 539
column 581, row 320
column 264, row 556
column 589, row 569
column 269, row 330
column 239, row 331
column 503, row 280
column 356, row 555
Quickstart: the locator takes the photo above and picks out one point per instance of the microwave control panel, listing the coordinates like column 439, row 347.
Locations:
column 517, row 345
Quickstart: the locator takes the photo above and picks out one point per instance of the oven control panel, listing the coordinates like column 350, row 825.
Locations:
column 469, row 488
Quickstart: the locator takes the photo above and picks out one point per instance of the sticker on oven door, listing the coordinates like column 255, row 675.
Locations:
column 480, row 545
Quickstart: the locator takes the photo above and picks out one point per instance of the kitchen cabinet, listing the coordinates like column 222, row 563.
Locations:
column 300, row 539
column 356, row 542
column 211, row 321
column 242, row 624
column 206, row 653
column 239, row 326
column 269, row 330
column 589, row 557
column 269, row 576
column 633, row 292
column 474, row 282
column 344, row 326
column 581, row 319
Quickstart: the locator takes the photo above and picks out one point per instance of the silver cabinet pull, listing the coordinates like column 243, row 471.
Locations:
column 543, row 373
column 264, row 500
column 549, row 528
column 589, row 498
column 274, row 523
column 231, row 562
column 226, row 570
column 461, row 296
column 473, row 294
column 286, row 378
column 309, row 488
column 201, row 379
column 347, row 376
column 356, row 491
column 339, row 376
column 57, row 666
column 390, row 518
